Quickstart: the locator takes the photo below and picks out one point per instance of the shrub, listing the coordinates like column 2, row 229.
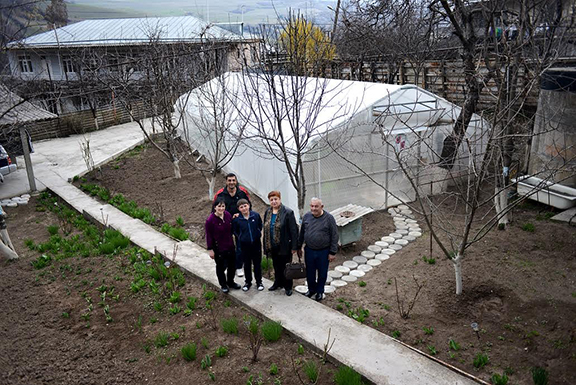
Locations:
column 539, row 376
column 273, row 369
column 175, row 297
column 497, row 379
column 230, row 325
column 180, row 221
column 347, row 376
column 528, row 227
column 191, row 304
column 161, row 339
column 221, row 351
column 52, row 230
column 271, row 331
column 480, row 360
column 311, row 370
column 361, row 283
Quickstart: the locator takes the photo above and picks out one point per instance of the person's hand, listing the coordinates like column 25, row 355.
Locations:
column 299, row 252
column 331, row 257
column 211, row 253
column 235, row 215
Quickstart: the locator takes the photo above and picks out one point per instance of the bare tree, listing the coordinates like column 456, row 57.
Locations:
column 456, row 163
column 212, row 125
column 287, row 115
column 57, row 14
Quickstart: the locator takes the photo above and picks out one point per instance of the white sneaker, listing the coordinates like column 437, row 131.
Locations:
column 260, row 287
column 240, row 272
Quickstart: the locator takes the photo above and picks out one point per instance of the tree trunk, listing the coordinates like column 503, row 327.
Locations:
column 96, row 126
column 211, row 185
column 501, row 204
column 457, row 261
column 176, row 165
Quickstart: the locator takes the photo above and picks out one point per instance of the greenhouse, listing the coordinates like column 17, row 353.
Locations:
column 362, row 138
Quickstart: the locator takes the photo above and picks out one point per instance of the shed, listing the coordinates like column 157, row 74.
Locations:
column 365, row 123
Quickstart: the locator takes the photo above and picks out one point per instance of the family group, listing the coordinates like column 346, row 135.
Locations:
column 236, row 236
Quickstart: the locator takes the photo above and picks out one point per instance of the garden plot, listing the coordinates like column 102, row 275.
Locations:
column 519, row 284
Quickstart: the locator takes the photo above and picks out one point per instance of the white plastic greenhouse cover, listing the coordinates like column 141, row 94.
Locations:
column 349, row 111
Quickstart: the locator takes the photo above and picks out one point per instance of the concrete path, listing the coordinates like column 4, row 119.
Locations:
column 378, row 357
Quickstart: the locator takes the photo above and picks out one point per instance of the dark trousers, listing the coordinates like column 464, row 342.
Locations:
column 225, row 267
column 279, row 262
column 252, row 253
column 239, row 257
column 316, row 261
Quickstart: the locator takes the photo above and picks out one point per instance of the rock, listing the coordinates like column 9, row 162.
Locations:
column 396, row 235
column 374, row 262
column 401, row 242
column 350, row 278
column 415, row 234
column 301, row 289
column 338, row 283
column 350, row 264
column 383, row 257
column 342, row 269
column 329, row 289
column 365, row 268
column 360, row 260
column 402, row 232
column 375, row 249
column 388, row 251
column 409, row 238
column 382, row 244
column 357, row 273
column 335, row 274
column 388, row 239
column 403, row 207
column 368, row 254
column 396, row 247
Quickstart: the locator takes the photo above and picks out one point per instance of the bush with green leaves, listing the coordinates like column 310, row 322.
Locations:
column 271, row 330
column 188, row 351
column 498, row 379
column 539, row 375
column 161, row 339
column 230, row 325
column 221, row 351
column 311, row 369
column 480, row 360
column 273, row 369
column 347, row 376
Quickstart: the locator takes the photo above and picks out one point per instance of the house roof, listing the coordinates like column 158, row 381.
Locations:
column 14, row 109
column 131, row 31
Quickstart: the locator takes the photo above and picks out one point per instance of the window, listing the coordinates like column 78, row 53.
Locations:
column 25, row 64
column 68, row 64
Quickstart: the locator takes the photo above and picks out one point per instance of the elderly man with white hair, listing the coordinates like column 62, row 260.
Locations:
column 320, row 235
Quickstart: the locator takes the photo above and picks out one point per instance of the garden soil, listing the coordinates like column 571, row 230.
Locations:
column 44, row 339
column 519, row 286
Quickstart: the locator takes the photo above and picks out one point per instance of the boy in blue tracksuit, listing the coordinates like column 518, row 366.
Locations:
column 247, row 227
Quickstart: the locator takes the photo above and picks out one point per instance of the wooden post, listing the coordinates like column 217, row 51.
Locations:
column 27, row 159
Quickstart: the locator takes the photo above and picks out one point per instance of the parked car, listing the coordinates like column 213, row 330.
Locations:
column 6, row 165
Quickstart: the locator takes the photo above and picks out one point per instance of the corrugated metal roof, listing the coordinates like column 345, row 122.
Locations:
column 358, row 211
column 128, row 32
column 13, row 109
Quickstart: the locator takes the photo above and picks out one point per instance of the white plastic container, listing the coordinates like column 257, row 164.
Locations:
column 549, row 193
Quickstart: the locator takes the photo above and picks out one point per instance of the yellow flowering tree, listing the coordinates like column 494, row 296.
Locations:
column 305, row 45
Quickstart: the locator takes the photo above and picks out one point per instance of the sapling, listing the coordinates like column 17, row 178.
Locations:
column 255, row 337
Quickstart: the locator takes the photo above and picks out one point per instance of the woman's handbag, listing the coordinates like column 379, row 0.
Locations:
column 295, row 270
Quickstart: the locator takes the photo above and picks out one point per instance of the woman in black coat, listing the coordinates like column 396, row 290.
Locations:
column 280, row 239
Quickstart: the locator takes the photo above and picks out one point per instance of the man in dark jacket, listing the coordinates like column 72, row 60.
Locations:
column 247, row 227
column 320, row 234
column 231, row 194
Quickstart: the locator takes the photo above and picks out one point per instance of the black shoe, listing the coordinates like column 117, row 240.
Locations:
column 225, row 289
column 235, row 286
column 273, row 287
column 288, row 292
column 309, row 294
column 319, row 297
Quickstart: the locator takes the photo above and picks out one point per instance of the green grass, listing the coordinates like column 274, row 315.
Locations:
column 52, row 230
column 188, row 351
column 221, row 351
column 161, row 339
column 311, row 370
column 539, row 376
column 480, row 360
column 347, row 376
column 273, row 369
column 529, row 227
column 230, row 325
column 271, row 330
column 498, row 379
